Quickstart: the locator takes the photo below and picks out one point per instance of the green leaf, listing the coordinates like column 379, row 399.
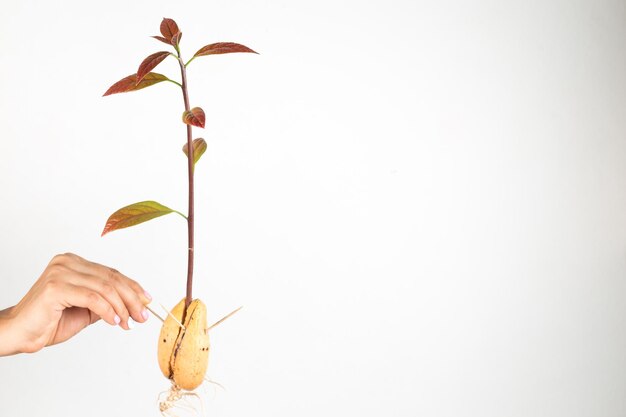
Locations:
column 135, row 214
column 129, row 83
column 199, row 146
column 194, row 117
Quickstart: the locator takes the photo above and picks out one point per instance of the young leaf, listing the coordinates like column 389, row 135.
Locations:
column 176, row 39
column 129, row 83
column 222, row 48
column 161, row 38
column 135, row 214
column 194, row 117
column 150, row 63
column 199, row 146
column 169, row 28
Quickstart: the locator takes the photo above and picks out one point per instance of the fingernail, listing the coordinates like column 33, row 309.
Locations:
column 117, row 319
column 148, row 296
column 131, row 324
column 144, row 314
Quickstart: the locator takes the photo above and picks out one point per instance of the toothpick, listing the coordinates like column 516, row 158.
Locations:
column 172, row 316
column 222, row 319
column 155, row 314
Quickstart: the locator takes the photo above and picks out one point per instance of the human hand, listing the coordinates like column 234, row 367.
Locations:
column 70, row 294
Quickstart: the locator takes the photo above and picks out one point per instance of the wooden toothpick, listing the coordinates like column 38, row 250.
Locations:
column 155, row 314
column 222, row 319
column 172, row 316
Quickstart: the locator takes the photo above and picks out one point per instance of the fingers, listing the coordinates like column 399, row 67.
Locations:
column 110, row 293
column 78, row 296
column 131, row 301
column 114, row 275
column 133, row 295
column 125, row 296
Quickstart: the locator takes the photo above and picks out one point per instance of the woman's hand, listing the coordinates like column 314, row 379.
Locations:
column 71, row 294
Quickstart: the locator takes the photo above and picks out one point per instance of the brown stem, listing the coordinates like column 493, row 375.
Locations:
column 190, row 216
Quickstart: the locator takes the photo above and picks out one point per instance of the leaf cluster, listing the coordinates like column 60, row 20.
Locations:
column 171, row 35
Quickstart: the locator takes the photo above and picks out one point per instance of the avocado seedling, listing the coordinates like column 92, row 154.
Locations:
column 183, row 348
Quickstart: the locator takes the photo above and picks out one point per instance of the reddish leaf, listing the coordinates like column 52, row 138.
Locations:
column 222, row 48
column 162, row 39
column 199, row 146
column 150, row 63
column 129, row 83
column 176, row 39
column 149, row 79
column 169, row 28
column 194, row 117
column 135, row 214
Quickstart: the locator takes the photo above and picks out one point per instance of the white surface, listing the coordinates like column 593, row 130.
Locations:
column 421, row 205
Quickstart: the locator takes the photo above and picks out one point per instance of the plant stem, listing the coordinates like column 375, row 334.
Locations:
column 189, row 62
column 190, row 215
column 175, row 82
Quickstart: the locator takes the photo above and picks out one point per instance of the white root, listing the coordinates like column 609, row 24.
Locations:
column 177, row 398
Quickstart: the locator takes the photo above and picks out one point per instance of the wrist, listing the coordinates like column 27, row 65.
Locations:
column 5, row 312
column 8, row 345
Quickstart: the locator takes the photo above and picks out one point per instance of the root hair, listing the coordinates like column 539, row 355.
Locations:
column 176, row 397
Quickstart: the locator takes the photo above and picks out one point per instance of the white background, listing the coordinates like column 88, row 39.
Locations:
column 420, row 205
